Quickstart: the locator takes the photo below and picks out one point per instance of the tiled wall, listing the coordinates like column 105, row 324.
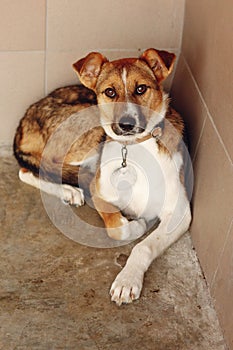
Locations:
column 39, row 41
column 202, row 91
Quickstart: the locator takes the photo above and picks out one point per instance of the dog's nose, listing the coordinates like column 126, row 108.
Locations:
column 127, row 123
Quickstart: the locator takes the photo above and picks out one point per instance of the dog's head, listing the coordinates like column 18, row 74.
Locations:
column 129, row 91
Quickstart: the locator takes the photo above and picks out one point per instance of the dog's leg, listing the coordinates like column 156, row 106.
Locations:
column 128, row 283
column 118, row 227
column 68, row 194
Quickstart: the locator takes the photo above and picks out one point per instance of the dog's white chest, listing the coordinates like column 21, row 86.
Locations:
column 139, row 188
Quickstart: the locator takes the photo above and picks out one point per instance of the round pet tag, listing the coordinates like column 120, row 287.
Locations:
column 124, row 178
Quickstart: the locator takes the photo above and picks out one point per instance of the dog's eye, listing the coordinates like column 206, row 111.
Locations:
column 140, row 89
column 110, row 92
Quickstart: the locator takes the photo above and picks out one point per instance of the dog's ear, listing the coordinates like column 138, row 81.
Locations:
column 161, row 62
column 88, row 68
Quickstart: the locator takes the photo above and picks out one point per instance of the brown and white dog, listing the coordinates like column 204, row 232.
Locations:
column 136, row 172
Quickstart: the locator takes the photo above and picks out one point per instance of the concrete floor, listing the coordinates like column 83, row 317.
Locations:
column 54, row 291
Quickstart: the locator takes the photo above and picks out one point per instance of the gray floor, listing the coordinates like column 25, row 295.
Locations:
column 54, row 291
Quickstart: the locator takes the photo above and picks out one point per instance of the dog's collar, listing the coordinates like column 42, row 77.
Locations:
column 155, row 133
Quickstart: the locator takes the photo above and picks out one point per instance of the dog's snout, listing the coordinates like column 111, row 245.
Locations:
column 127, row 123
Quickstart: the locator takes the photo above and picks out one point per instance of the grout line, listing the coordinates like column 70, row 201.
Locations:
column 221, row 140
column 46, row 50
column 182, row 28
column 21, row 51
column 207, row 111
column 116, row 50
column 221, row 255
column 204, row 122
column 199, row 140
column 140, row 50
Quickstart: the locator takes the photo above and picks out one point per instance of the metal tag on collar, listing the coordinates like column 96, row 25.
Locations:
column 124, row 153
column 156, row 132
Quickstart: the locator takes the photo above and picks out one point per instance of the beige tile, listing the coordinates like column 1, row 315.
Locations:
column 212, row 200
column 22, row 25
column 59, row 71
column 222, row 289
column 208, row 47
column 186, row 100
column 114, row 24
column 23, row 77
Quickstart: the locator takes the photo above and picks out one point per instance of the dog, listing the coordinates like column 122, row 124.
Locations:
column 135, row 174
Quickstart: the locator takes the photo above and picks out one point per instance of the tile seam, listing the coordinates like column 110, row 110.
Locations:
column 207, row 111
column 221, row 255
column 21, row 51
column 46, row 49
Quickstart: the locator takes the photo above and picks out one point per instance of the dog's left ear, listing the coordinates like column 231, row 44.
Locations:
column 89, row 67
column 161, row 62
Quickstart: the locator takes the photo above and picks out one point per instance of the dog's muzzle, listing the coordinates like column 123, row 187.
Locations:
column 128, row 119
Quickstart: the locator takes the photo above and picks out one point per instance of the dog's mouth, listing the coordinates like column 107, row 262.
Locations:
column 129, row 131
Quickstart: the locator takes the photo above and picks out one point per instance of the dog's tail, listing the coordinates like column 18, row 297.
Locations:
column 25, row 159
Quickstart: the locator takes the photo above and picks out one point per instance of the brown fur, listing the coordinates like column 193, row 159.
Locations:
column 172, row 133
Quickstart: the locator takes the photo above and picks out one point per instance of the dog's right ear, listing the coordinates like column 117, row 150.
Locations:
column 161, row 62
column 89, row 67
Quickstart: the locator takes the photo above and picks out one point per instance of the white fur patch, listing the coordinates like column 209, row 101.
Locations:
column 124, row 79
column 146, row 197
column 68, row 194
column 89, row 163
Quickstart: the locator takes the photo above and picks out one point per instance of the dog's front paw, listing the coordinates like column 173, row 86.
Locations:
column 72, row 195
column 129, row 230
column 135, row 229
column 126, row 287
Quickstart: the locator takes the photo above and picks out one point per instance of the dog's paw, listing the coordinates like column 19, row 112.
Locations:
column 129, row 230
column 126, row 287
column 135, row 229
column 72, row 195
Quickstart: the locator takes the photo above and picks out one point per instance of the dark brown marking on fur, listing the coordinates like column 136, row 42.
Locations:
column 39, row 123
column 172, row 134
column 74, row 94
